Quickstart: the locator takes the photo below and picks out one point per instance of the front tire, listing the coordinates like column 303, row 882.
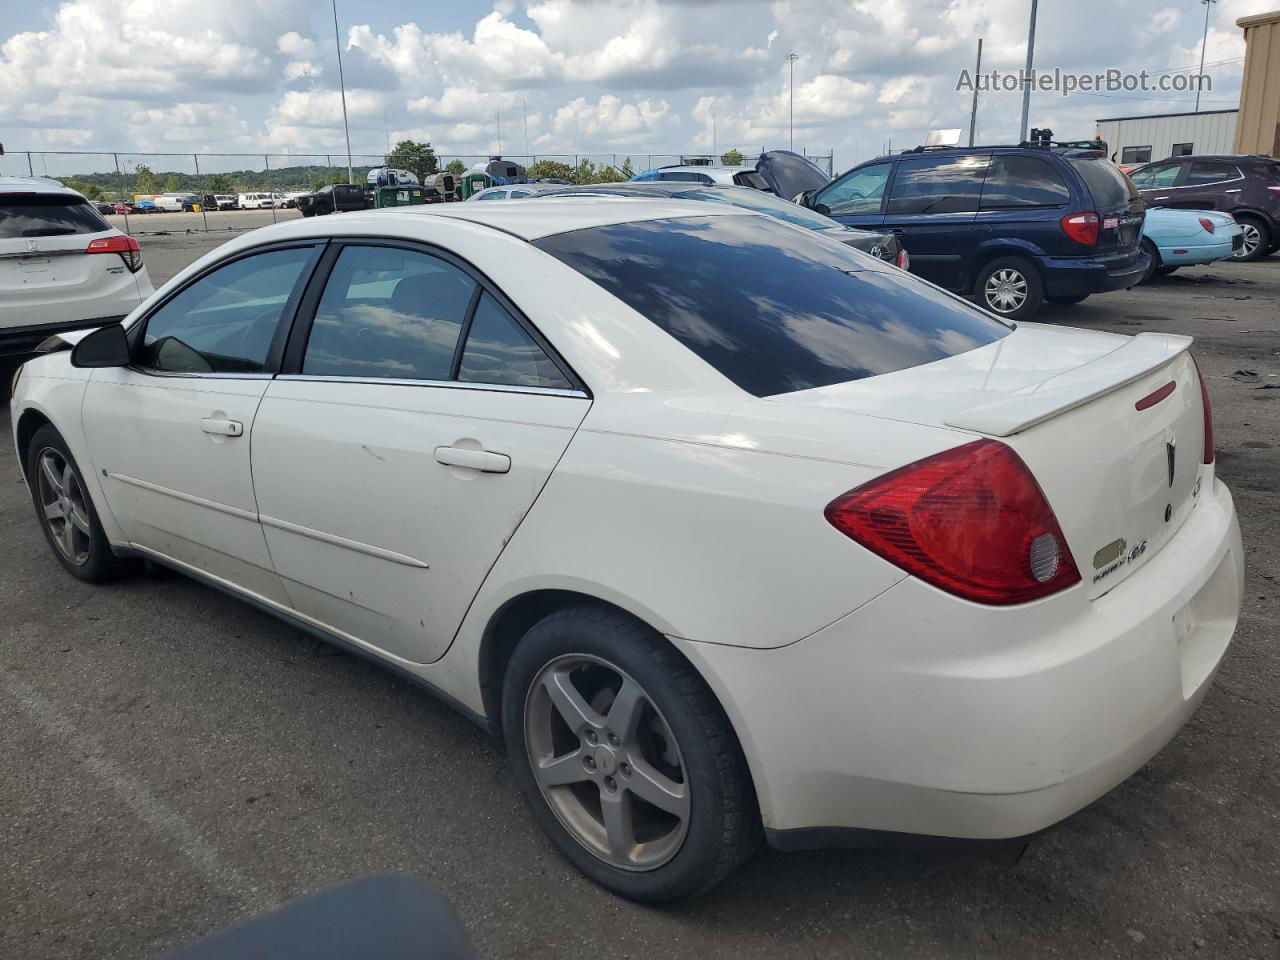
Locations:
column 67, row 515
column 1257, row 239
column 625, row 757
column 1010, row 287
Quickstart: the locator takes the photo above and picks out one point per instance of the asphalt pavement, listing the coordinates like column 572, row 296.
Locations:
column 175, row 760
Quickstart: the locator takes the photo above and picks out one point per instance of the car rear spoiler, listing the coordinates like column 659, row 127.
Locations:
column 1074, row 388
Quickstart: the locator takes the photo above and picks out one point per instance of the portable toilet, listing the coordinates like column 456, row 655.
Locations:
column 474, row 181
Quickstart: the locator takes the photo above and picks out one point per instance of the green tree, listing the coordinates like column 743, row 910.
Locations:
column 627, row 170
column 457, row 168
column 584, row 172
column 415, row 157
column 330, row 176
column 731, row 157
column 219, row 183
column 550, row 170
column 90, row 190
column 172, row 183
column 608, row 174
column 144, row 181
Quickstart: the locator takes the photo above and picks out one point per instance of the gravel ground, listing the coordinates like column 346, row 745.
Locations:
column 175, row 760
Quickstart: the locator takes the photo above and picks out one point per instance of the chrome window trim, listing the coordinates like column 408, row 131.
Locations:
column 1209, row 183
column 193, row 375
column 451, row 384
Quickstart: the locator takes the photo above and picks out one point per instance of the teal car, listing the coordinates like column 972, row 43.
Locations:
column 1181, row 238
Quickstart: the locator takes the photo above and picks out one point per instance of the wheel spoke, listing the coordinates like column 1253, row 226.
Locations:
column 53, row 511
column 557, row 771
column 618, row 826
column 569, row 703
column 77, row 518
column 68, row 480
column 624, row 714
column 68, row 537
column 657, row 788
column 51, row 474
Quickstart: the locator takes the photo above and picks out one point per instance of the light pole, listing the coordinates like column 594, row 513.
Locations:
column 791, row 59
column 1204, row 42
column 1026, row 80
column 342, row 87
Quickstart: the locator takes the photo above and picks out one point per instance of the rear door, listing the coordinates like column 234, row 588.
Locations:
column 933, row 208
column 416, row 423
column 1208, row 185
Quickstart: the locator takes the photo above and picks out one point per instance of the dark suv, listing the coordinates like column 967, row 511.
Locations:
column 1013, row 226
column 1247, row 187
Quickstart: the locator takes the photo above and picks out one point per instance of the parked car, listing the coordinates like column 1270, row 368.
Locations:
column 333, row 198
column 61, row 265
column 177, row 202
column 124, row 206
column 782, row 172
column 1011, row 226
column 103, row 207
column 147, row 206
column 689, row 173
column 1179, row 238
column 1247, row 187
column 884, row 246
column 690, row 487
column 516, row 191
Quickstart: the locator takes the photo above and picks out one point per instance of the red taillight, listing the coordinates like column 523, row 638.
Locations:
column 972, row 521
column 1081, row 227
column 124, row 245
column 1208, row 415
column 1207, row 224
column 904, row 260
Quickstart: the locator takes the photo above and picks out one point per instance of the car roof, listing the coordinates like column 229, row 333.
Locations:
column 528, row 221
column 35, row 185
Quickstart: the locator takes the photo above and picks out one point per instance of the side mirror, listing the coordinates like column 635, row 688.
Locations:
column 107, row 347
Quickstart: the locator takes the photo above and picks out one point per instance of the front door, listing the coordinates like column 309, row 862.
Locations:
column 170, row 434
column 1155, row 182
column 857, row 198
column 418, row 424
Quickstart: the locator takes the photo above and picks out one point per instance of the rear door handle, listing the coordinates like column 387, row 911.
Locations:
column 222, row 428
column 483, row 460
column 1161, row 198
column 1236, row 190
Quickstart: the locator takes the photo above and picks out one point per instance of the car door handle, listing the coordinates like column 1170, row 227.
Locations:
column 483, row 460
column 1236, row 190
column 1160, row 198
column 222, row 428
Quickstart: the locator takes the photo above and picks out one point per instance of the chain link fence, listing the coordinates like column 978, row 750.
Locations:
column 126, row 176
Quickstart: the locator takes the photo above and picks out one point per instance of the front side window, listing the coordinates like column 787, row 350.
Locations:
column 388, row 313
column 772, row 308
column 1208, row 171
column 938, row 185
column 501, row 352
column 225, row 321
column 859, row 192
column 1158, row 176
column 1016, row 181
column 1135, row 155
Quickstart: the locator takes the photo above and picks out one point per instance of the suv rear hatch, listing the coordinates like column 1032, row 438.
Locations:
column 1115, row 448
column 1115, row 199
column 789, row 174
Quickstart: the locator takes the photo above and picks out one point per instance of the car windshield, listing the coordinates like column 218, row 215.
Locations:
column 765, row 203
column 47, row 215
column 773, row 309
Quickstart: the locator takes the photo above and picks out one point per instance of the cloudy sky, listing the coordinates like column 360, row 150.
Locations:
column 632, row 77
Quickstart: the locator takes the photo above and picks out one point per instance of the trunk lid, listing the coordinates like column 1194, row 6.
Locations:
column 1120, row 470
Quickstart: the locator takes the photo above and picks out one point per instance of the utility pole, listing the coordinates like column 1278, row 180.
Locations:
column 791, row 59
column 713, row 137
column 498, row 116
column 524, row 112
column 1026, row 80
column 973, row 112
column 1204, row 42
column 342, row 87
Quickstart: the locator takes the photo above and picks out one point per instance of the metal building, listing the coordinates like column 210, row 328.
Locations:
column 1160, row 135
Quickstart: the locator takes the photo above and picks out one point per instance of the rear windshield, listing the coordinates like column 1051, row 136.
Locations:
column 1111, row 189
column 47, row 215
column 773, row 308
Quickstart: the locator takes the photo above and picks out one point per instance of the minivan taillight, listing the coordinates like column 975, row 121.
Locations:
column 1081, row 227
column 124, row 245
column 904, row 260
column 1208, row 415
column 971, row 521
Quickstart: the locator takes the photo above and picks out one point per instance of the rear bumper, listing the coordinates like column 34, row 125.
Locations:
column 1202, row 253
column 922, row 714
column 1073, row 277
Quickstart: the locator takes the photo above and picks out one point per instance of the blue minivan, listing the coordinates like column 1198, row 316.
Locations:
column 1013, row 227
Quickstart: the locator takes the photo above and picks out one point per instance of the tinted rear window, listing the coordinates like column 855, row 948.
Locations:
column 1016, row 181
column 47, row 215
column 773, row 308
column 1111, row 189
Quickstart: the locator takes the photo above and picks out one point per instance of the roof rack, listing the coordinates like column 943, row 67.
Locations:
column 1040, row 138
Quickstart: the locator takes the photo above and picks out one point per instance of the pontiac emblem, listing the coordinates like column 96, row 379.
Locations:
column 32, row 246
column 1170, row 450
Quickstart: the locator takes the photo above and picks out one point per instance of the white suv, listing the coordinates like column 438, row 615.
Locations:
column 61, row 264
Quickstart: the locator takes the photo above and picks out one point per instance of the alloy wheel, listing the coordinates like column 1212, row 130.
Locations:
column 606, row 762
column 63, row 508
column 1250, row 240
column 1005, row 290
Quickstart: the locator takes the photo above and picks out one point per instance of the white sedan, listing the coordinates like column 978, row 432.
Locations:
column 728, row 529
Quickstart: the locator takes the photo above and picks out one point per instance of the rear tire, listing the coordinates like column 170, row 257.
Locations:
column 1010, row 287
column 1068, row 301
column 596, row 808
column 1153, row 268
column 66, row 514
column 1164, row 271
column 1257, row 239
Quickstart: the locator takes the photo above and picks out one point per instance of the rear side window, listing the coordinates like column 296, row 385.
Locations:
column 1158, row 176
column 388, row 314
column 1110, row 188
column 772, row 308
column 1207, row 171
column 686, row 176
column 1015, row 181
column 938, row 185
column 500, row 351
column 47, row 215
